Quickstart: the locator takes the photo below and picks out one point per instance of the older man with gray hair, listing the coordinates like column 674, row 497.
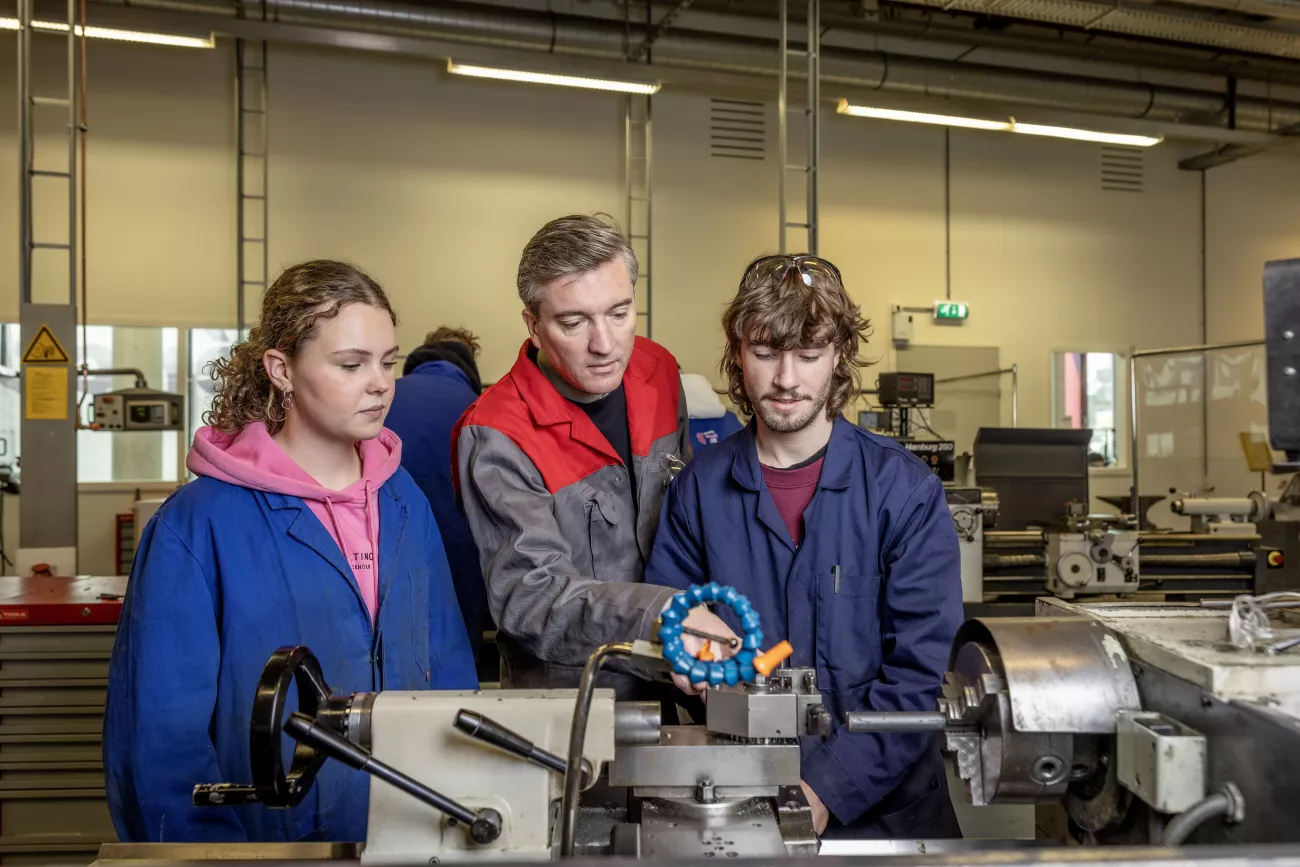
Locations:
column 561, row 466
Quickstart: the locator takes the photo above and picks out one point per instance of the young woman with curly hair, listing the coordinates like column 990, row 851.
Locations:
column 301, row 529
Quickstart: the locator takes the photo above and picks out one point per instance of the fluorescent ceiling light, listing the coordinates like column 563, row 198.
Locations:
column 116, row 35
column 549, row 78
column 1138, row 141
column 919, row 117
column 1010, row 125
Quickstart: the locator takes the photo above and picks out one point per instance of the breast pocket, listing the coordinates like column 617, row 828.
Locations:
column 605, row 542
column 848, row 629
column 418, row 579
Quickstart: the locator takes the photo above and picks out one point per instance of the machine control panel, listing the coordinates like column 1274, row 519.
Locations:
column 906, row 389
column 138, row 409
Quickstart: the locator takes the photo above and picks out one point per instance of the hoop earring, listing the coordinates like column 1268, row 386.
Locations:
column 287, row 401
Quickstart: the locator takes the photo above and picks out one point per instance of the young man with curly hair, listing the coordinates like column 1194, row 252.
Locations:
column 841, row 539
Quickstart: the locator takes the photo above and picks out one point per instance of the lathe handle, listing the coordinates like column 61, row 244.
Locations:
column 490, row 731
column 895, row 721
column 225, row 795
column 484, row 826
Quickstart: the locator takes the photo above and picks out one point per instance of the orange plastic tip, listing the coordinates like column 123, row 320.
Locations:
column 766, row 663
column 705, row 655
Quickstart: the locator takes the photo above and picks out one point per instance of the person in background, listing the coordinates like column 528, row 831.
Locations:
column 711, row 422
column 440, row 379
column 301, row 529
column 841, row 539
column 562, row 464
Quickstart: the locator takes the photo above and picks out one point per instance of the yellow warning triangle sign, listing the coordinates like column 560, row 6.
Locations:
column 45, row 349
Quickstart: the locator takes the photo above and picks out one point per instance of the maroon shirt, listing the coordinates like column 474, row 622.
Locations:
column 792, row 489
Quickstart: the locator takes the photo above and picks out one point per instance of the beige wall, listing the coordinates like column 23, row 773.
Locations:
column 434, row 184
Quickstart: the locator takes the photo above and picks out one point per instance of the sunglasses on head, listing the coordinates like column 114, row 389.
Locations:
column 805, row 266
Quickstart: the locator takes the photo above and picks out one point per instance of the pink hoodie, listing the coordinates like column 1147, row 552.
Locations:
column 252, row 459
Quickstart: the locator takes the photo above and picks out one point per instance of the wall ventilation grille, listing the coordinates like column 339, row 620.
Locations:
column 1122, row 169
column 737, row 129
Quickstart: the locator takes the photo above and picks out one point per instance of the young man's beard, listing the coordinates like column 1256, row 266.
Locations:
column 778, row 423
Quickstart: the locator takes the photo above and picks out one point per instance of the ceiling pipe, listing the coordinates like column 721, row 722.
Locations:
column 890, row 74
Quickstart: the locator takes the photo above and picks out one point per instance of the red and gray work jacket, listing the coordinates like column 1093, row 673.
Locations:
column 548, row 499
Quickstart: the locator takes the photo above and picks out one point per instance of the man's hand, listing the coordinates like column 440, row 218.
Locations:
column 702, row 619
column 821, row 815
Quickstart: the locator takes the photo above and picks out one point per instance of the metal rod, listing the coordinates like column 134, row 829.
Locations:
column 1207, row 347
column 1205, row 332
column 782, row 108
column 578, row 739
column 895, row 721
column 733, row 642
column 966, row 376
column 1135, row 507
column 947, row 212
column 1015, row 395
column 140, row 381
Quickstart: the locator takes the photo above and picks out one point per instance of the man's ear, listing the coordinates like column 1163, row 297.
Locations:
column 277, row 369
column 531, row 323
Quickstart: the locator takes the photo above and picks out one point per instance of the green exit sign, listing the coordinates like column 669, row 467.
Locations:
column 950, row 310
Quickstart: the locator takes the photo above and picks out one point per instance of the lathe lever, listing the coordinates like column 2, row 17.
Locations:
column 895, row 721
column 478, row 726
column 484, row 826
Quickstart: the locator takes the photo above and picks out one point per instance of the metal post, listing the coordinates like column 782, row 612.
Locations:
column 1133, row 429
column 1015, row 395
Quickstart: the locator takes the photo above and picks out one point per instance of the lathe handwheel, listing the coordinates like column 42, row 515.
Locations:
column 715, row 672
column 275, row 787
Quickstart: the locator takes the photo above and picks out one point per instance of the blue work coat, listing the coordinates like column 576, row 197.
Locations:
column 223, row 576
column 427, row 403
column 871, row 599
column 707, row 432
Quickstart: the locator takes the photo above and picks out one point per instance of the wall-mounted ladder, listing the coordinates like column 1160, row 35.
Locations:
column 811, row 113
column 47, row 321
column 251, row 178
column 638, row 163
column 29, row 103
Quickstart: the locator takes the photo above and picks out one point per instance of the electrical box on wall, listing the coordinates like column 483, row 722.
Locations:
column 902, row 328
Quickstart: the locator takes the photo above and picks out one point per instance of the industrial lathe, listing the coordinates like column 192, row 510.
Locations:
column 1151, row 725
column 1234, row 545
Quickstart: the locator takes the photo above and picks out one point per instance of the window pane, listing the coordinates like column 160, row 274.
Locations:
column 206, row 346
column 10, row 394
column 134, row 456
column 127, row 455
column 1087, row 399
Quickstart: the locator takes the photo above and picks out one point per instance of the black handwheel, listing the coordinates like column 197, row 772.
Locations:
column 276, row 787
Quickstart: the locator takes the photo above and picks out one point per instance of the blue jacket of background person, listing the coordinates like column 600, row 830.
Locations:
column 871, row 599
column 426, row 405
column 224, row 575
column 707, row 432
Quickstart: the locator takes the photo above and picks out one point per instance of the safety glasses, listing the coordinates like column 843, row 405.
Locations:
column 782, row 266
